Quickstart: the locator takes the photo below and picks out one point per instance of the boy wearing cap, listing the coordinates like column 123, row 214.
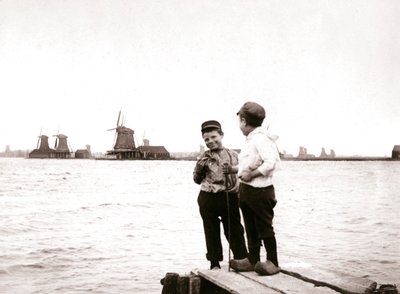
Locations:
column 257, row 161
column 212, row 199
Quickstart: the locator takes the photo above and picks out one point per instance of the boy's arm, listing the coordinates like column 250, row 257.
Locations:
column 268, row 156
column 200, row 169
column 198, row 173
column 247, row 175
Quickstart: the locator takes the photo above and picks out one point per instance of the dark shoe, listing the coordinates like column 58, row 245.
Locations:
column 266, row 268
column 214, row 265
column 241, row 265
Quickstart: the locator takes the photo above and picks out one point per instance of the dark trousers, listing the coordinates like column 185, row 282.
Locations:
column 257, row 205
column 213, row 210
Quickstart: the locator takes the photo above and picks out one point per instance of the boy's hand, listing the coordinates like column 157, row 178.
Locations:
column 229, row 169
column 226, row 169
column 245, row 176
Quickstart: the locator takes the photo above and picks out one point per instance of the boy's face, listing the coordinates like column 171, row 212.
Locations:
column 213, row 140
column 243, row 126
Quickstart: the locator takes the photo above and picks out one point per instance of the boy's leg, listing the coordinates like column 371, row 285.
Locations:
column 238, row 243
column 248, row 263
column 270, row 266
column 251, row 233
column 211, row 224
column 262, row 203
column 248, row 205
column 270, row 247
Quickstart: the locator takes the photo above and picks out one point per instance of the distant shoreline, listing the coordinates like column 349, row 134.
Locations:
column 337, row 158
column 340, row 158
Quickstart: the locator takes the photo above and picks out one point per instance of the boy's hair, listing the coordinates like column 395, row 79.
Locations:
column 253, row 113
column 251, row 120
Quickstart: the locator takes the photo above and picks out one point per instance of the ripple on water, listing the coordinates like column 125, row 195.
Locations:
column 118, row 227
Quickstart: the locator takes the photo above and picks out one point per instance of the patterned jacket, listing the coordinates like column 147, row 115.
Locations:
column 208, row 171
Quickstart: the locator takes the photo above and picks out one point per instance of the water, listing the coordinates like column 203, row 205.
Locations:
column 77, row 226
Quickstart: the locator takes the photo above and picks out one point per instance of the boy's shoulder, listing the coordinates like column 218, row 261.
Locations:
column 233, row 152
column 210, row 153
column 265, row 137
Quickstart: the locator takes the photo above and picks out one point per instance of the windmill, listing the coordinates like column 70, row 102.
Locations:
column 123, row 139
column 61, row 143
column 116, row 131
column 42, row 142
column 42, row 148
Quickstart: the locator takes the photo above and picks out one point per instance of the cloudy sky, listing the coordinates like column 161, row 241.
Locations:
column 327, row 72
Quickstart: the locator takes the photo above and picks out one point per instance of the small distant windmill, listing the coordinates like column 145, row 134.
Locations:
column 42, row 148
column 43, row 142
column 116, row 132
column 61, row 143
column 123, row 139
column 38, row 140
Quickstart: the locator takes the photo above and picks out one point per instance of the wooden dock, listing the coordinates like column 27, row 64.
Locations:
column 293, row 279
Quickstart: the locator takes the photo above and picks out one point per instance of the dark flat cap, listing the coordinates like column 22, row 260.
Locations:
column 252, row 109
column 210, row 124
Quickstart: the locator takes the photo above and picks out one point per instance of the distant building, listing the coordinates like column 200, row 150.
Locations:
column 323, row 153
column 284, row 155
column 154, row 152
column 13, row 153
column 304, row 154
column 42, row 150
column 61, row 147
column 125, row 148
column 83, row 153
column 396, row 152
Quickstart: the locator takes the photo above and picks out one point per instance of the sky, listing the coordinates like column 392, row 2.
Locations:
column 327, row 72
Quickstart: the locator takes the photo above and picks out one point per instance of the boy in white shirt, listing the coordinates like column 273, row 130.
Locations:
column 257, row 161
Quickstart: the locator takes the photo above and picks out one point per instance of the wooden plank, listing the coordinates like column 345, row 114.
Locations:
column 234, row 282
column 335, row 280
column 287, row 284
column 294, row 279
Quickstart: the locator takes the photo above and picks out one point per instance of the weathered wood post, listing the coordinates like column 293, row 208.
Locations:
column 194, row 284
column 173, row 283
column 169, row 283
column 182, row 285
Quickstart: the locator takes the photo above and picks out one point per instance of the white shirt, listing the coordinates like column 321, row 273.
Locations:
column 259, row 152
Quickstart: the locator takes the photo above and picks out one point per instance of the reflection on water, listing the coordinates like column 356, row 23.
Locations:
column 73, row 226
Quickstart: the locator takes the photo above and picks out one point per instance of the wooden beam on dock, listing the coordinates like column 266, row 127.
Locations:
column 291, row 280
column 233, row 282
column 338, row 281
column 283, row 283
